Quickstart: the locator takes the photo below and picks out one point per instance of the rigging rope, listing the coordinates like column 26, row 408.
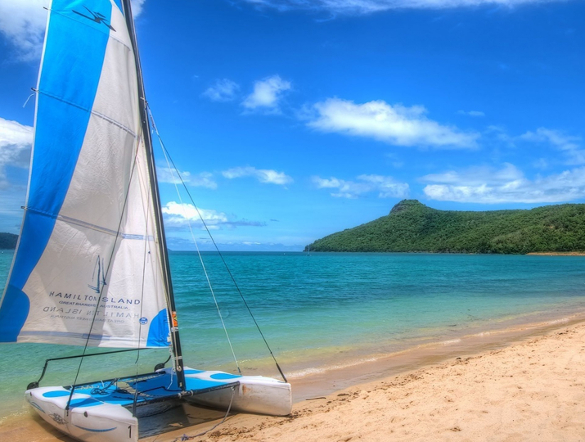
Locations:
column 170, row 163
column 185, row 437
column 174, row 170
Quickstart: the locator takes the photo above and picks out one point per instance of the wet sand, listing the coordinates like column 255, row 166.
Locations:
column 525, row 383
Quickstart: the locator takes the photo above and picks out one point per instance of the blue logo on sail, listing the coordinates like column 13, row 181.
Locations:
column 96, row 17
column 99, row 276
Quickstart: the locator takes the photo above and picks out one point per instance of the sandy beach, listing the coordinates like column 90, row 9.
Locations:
column 531, row 389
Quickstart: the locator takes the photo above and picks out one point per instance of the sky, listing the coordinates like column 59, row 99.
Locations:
column 293, row 119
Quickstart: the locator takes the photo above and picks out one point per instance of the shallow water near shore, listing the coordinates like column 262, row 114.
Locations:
column 325, row 314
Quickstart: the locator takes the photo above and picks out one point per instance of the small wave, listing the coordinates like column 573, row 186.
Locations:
column 15, row 415
column 451, row 341
column 318, row 370
column 306, row 372
column 558, row 321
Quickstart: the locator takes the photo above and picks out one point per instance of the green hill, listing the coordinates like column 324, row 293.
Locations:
column 413, row 227
column 8, row 240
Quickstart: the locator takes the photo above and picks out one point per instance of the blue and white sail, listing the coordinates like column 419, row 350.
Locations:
column 88, row 266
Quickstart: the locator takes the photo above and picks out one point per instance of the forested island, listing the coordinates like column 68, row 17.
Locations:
column 413, row 227
column 8, row 240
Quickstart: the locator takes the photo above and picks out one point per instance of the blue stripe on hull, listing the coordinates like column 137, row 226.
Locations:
column 96, row 431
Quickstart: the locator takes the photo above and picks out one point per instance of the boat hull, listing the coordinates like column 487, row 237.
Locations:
column 102, row 423
column 107, row 412
column 254, row 394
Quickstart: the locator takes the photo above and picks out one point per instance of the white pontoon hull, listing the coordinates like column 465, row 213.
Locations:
column 104, row 413
column 254, row 394
column 102, row 423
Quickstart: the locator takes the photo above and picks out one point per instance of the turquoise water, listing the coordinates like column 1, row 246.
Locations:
column 320, row 309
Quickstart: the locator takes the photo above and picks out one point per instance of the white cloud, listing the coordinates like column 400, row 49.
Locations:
column 571, row 145
column 541, row 163
column 351, row 7
column 477, row 175
column 471, row 113
column 499, row 135
column 393, row 124
column 203, row 179
column 386, row 186
column 267, row 94
column 180, row 214
column 223, row 90
column 263, row 175
column 15, row 145
column 23, row 23
column 137, row 7
column 485, row 185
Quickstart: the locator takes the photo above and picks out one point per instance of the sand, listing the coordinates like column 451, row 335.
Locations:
column 530, row 390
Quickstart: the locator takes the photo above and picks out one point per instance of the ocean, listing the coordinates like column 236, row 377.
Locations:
column 320, row 311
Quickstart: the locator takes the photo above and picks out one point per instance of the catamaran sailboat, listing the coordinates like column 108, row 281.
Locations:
column 91, row 266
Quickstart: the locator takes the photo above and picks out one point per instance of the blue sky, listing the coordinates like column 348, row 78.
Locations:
column 293, row 119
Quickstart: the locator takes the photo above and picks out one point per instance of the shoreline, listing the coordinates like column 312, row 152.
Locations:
column 531, row 389
column 375, row 367
column 338, row 388
column 557, row 253
column 328, row 380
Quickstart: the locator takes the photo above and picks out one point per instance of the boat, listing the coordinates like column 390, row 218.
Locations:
column 91, row 267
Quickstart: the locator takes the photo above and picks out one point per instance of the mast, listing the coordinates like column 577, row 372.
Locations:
column 174, row 329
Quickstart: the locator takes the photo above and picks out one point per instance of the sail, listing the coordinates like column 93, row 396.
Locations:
column 87, row 269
